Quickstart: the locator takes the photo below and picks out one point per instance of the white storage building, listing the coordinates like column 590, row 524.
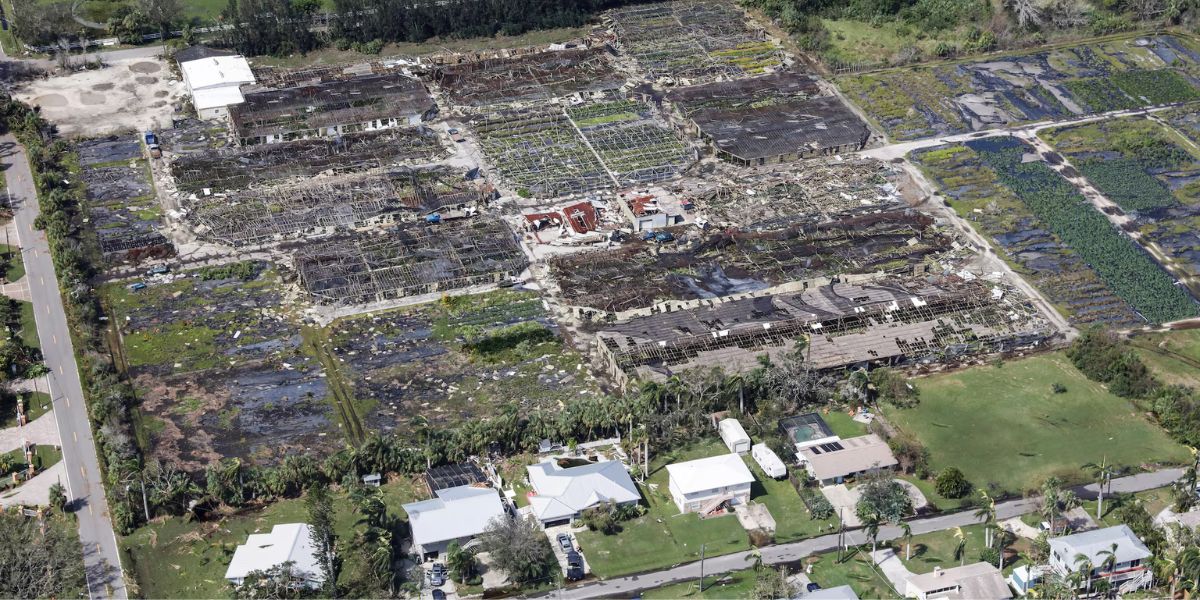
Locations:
column 734, row 436
column 215, row 83
column 769, row 461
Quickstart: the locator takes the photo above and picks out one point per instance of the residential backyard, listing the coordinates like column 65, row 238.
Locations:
column 174, row 558
column 1005, row 427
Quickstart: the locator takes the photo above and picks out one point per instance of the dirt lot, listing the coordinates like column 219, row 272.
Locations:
column 127, row 95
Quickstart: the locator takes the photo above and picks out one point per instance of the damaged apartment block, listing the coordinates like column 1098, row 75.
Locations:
column 770, row 119
column 840, row 324
column 331, row 108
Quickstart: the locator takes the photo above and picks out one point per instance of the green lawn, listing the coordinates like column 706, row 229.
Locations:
column 726, row 586
column 791, row 516
column 843, row 425
column 29, row 331
column 1003, row 426
column 171, row 558
column 12, row 263
column 1173, row 356
column 856, row 571
column 44, row 457
column 929, row 489
column 663, row 537
column 36, row 405
column 936, row 549
column 1153, row 500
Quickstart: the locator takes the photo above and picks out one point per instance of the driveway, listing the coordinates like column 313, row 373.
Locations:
column 845, row 500
column 36, row 491
column 559, row 553
column 42, row 431
column 892, row 568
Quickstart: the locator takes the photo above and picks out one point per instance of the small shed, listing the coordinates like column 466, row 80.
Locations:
column 734, row 436
column 769, row 461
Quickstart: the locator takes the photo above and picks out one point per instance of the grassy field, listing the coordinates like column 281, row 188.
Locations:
column 727, row 586
column 13, row 265
column 858, row 41
column 1004, row 427
column 791, row 516
column 29, row 331
column 1174, row 357
column 843, row 425
column 663, row 537
column 856, row 572
column 332, row 55
column 172, row 558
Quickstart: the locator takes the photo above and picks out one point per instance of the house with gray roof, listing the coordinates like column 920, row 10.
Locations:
column 561, row 494
column 288, row 542
column 1113, row 553
column 976, row 581
column 456, row 514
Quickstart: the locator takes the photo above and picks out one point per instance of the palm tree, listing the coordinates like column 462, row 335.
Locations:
column 1109, row 562
column 987, row 514
column 960, row 548
column 908, row 535
column 756, row 556
column 1050, row 498
column 1083, row 564
column 871, row 526
column 460, row 562
column 1103, row 473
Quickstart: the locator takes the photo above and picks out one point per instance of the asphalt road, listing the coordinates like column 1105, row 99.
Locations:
column 625, row 587
column 84, row 483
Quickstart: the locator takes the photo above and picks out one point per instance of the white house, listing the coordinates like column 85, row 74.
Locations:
column 978, row 581
column 734, row 436
column 215, row 83
column 769, row 461
column 562, row 494
column 286, row 543
column 703, row 485
column 833, row 462
column 457, row 514
column 1129, row 569
column 841, row 592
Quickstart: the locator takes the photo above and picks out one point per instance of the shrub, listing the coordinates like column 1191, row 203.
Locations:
column 951, row 483
column 1058, row 388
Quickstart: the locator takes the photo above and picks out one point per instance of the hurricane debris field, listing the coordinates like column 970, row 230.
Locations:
column 221, row 367
column 459, row 359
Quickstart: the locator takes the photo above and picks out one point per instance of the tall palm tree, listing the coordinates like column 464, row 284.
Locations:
column 960, row 548
column 871, row 525
column 987, row 514
column 1083, row 564
column 1109, row 562
column 1103, row 472
column 908, row 535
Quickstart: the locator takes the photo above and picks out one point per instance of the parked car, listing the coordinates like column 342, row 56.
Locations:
column 574, row 573
column 438, row 594
column 437, row 575
column 812, row 587
column 574, row 559
column 564, row 542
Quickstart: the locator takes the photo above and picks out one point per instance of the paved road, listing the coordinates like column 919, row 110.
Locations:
column 84, row 484
column 625, row 587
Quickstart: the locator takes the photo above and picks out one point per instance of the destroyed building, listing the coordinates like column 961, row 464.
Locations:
column 770, row 119
column 530, row 77
column 332, row 108
column 326, row 206
column 834, row 325
column 409, row 259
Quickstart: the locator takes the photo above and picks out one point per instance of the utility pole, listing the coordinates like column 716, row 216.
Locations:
column 702, row 568
column 841, row 533
column 145, row 503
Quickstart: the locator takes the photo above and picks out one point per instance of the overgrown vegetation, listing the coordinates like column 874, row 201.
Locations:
column 39, row 560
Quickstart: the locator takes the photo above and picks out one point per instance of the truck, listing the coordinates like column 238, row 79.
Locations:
column 151, row 139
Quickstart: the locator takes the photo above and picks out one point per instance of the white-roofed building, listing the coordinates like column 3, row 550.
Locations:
column 215, row 83
column 1128, row 569
column 734, row 436
column 561, row 494
column 704, row 485
column 978, row 581
column 457, row 514
column 286, row 543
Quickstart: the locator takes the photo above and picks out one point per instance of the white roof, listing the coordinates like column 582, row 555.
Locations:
column 1092, row 543
column 563, row 492
column 216, row 71
column 288, row 542
column 767, row 459
column 731, row 429
column 457, row 512
column 709, row 473
column 218, row 96
column 841, row 592
column 977, row 581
